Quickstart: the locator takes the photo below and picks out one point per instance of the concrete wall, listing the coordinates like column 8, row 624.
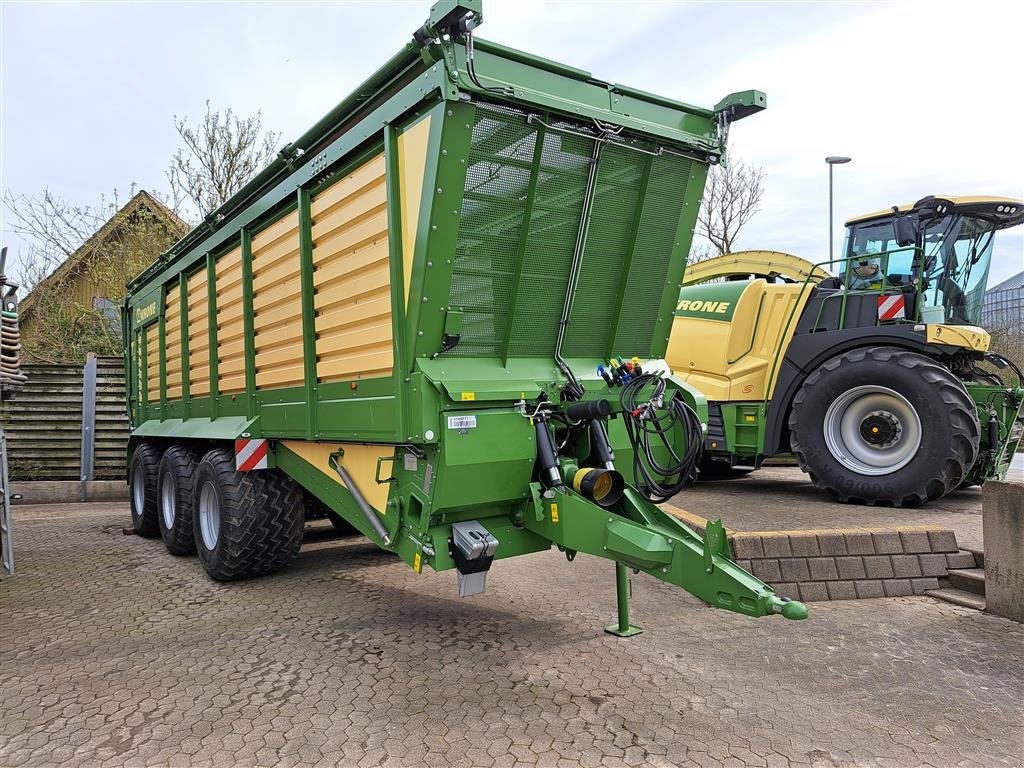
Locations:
column 1003, row 522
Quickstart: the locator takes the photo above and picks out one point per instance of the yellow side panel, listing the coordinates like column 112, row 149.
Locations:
column 968, row 336
column 412, row 165
column 198, row 336
column 230, row 364
column 277, row 304
column 351, row 276
column 360, row 461
column 153, row 363
column 172, row 342
column 733, row 361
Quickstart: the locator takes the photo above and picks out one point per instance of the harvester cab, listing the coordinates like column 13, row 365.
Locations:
column 936, row 252
column 869, row 368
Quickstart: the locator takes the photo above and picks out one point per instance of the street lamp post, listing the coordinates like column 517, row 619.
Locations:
column 832, row 160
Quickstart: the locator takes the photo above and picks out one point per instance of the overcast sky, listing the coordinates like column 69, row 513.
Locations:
column 924, row 96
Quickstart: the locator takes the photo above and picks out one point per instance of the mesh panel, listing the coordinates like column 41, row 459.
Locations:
column 629, row 221
column 554, row 226
column 659, row 222
column 613, row 218
column 491, row 227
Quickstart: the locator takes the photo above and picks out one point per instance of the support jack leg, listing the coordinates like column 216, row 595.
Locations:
column 623, row 628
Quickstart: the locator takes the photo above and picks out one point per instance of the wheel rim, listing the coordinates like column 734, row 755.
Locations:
column 872, row 430
column 167, row 500
column 138, row 488
column 209, row 515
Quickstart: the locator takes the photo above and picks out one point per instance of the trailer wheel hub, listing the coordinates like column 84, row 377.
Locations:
column 209, row 515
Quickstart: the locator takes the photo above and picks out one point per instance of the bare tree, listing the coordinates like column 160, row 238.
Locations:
column 53, row 228
column 220, row 155
column 62, row 324
column 731, row 198
column 700, row 252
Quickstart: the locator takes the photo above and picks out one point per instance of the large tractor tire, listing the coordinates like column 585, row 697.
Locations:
column 142, row 487
column 884, row 426
column 246, row 523
column 177, row 498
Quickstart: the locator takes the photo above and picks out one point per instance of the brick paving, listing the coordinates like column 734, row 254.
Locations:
column 783, row 498
column 115, row 653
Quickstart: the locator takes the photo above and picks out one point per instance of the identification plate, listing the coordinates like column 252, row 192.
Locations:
column 461, row 422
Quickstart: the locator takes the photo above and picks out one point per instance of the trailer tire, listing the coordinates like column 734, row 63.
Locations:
column 176, row 499
column 923, row 445
column 142, row 482
column 246, row 523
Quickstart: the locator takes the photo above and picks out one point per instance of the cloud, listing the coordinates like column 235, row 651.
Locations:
column 922, row 96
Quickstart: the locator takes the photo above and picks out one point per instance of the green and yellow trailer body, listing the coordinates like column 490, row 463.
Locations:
column 400, row 309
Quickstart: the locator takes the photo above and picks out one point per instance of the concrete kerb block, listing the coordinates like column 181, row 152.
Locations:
column 804, row 544
column 794, row 569
column 878, row 567
column 1002, row 510
column 920, row 586
column 942, row 541
column 813, row 591
column 747, row 547
column 933, row 565
column 897, row 587
column 832, row 543
column 916, row 541
column 850, row 567
column 906, row 566
column 845, row 564
column 767, row 570
column 841, row 590
column 887, row 543
column 868, row 588
column 859, row 543
column 822, row 568
column 776, row 544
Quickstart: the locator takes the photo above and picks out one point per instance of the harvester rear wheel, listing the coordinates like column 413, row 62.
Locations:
column 886, row 426
column 246, row 523
column 176, row 499
column 142, row 481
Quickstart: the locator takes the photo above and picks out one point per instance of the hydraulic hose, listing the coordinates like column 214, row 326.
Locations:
column 650, row 426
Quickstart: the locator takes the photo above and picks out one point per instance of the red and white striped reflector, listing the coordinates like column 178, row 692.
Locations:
column 892, row 307
column 251, row 454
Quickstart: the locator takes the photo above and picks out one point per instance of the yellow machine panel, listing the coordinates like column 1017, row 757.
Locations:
column 352, row 276
column 730, row 357
column 359, row 460
column 230, row 326
column 277, row 304
column 968, row 336
column 198, row 335
column 153, row 363
column 412, row 164
column 172, row 342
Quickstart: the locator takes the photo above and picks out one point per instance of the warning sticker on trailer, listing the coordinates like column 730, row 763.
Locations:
column 461, row 422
